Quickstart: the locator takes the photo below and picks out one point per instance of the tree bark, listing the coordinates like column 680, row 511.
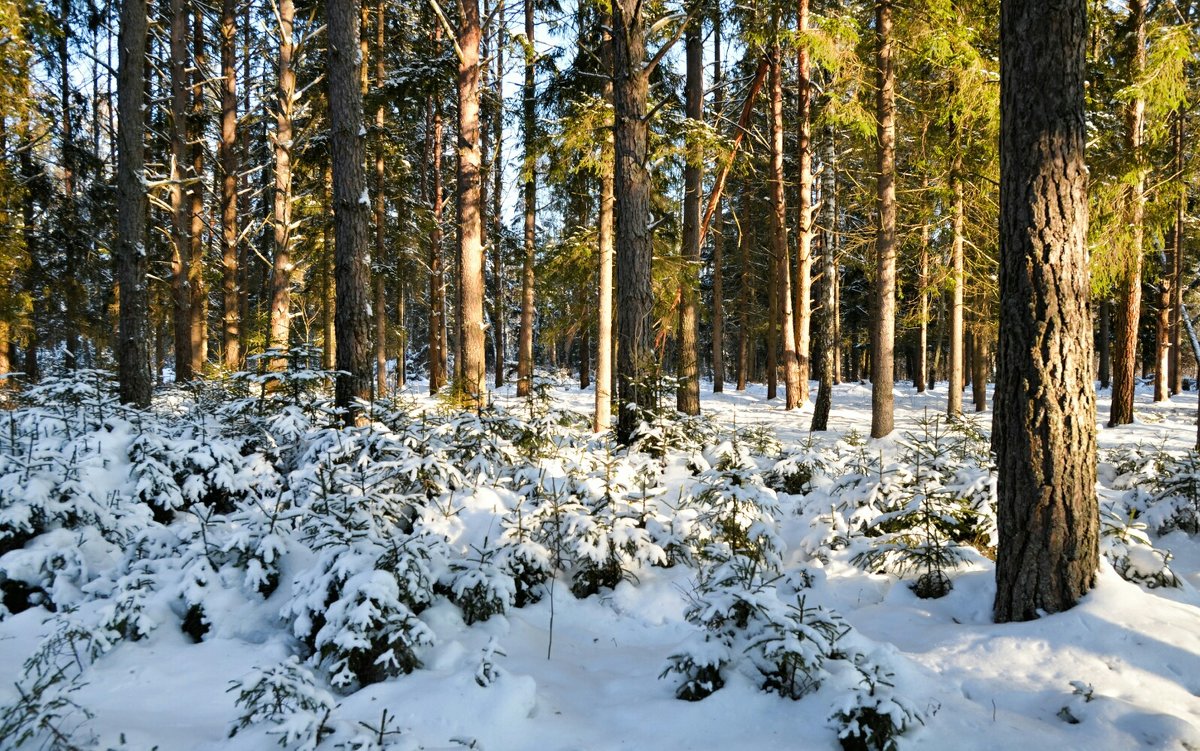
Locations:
column 499, row 317
column 954, row 392
column 604, row 308
column 1044, row 421
column 350, row 210
column 525, row 342
column 1129, row 288
column 133, row 338
column 199, row 300
column 883, row 328
column 228, row 158
column 779, row 244
column 804, row 207
column 635, row 300
column 743, row 361
column 470, row 221
column 979, row 376
column 380, row 256
column 718, row 254
column 687, row 397
column 921, row 371
column 1177, row 253
column 180, row 242
column 1105, row 335
column 826, row 311
column 279, row 324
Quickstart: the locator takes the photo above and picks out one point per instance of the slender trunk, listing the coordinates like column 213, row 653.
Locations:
column 804, row 208
column 604, row 308
column 1044, row 421
column 402, row 331
column 585, row 353
column 74, row 291
column 718, row 256
column 883, row 329
column 979, row 375
column 198, row 324
column 350, row 210
column 525, row 342
column 329, row 290
column 180, row 242
column 437, row 275
column 380, row 210
column 743, row 361
column 281, row 272
column 957, row 350
column 1177, row 253
column 635, row 300
column 826, row 312
column 779, row 244
column 1105, row 336
column 687, row 397
column 133, row 338
column 1129, row 290
column 922, row 364
column 499, row 327
column 228, row 158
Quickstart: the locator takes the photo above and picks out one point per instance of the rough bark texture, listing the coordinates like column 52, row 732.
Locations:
column 1044, row 424
column 826, row 311
column 499, row 317
column 779, row 244
column 635, row 300
column 804, row 208
column 470, row 219
column 883, row 327
column 350, row 209
column 525, row 340
column 687, row 397
column 380, row 255
column 1129, row 288
column 180, row 242
column 281, row 218
column 133, row 324
column 228, row 160
column 437, row 274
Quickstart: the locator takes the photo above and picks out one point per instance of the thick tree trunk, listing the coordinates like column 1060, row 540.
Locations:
column 779, row 244
column 228, row 159
column 1044, row 424
column 718, row 255
column 470, row 220
column 804, row 207
column 133, row 338
column 687, row 397
column 281, row 272
column 180, row 242
column 350, row 209
column 827, row 309
column 525, row 342
column 1129, row 289
column 635, row 299
column 883, row 328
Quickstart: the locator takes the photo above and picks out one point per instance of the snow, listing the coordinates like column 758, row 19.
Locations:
column 568, row 673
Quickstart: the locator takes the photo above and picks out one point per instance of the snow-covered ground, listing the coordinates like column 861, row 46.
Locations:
column 1119, row 671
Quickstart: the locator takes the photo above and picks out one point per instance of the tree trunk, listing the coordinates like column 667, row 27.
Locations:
column 743, row 360
column 437, row 276
column 979, row 375
column 779, row 244
column 470, row 236
column 954, row 393
column 1129, row 289
column 826, row 312
column 883, row 328
column 281, row 271
column 1105, row 335
column 687, row 397
column 804, row 208
column 180, row 242
column 133, row 338
column 199, row 301
column 1044, row 423
column 921, row 370
column 74, row 292
column 1177, row 252
column 525, row 342
column 380, row 210
column 604, row 308
column 635, row 299
column 350, row 210
column 718, row 255
column 499, row 329
column 329, row 291
column 228, row 158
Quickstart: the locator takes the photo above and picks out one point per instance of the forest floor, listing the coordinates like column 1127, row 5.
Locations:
column 1119, row 671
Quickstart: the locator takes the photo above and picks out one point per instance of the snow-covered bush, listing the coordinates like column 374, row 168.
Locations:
column 873, row 717
column 1127, row 547
column 287, row 696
